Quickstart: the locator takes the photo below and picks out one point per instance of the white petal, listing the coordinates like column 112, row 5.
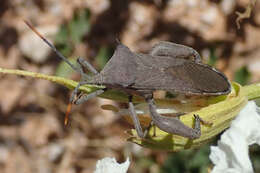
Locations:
column 109, row 165
column 231, row 154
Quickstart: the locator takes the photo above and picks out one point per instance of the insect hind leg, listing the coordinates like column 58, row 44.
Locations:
column 152, row 125
column 165, row 48
column 173, row 125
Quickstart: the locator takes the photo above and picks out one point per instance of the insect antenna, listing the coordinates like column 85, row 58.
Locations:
column 63, row 58
column 52, row 47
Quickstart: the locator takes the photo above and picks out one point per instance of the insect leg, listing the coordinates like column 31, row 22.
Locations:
column 87, row 65
column 75, row 91
column 173, row 125
column 151, row 125
column 80, row 100
column 165, row 48
column 135, row 119
column 84, row 76
column 85, row 98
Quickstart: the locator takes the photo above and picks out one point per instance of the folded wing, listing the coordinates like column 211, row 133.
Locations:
column 182, row 76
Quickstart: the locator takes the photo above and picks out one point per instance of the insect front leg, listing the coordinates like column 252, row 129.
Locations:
column 85, row 98
column 81, row 99
column 172, row 125
column 135, row 119
column 84, row 64
column 87, row 65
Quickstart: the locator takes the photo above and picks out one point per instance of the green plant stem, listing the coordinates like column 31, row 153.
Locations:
column 251, row 91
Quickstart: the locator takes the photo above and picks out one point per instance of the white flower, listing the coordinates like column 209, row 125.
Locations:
column 109, row 165
column 231, row 155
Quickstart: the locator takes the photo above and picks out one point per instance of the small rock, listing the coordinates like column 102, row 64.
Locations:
column 227, row 6
column 209, row 16
column 97, row 6
column 4, row 153
column 55, row 151
column 33, row 47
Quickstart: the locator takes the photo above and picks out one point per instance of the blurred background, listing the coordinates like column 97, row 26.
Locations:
column 33, row 138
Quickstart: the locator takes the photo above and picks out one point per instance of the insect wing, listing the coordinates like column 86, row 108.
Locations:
column 184, row 76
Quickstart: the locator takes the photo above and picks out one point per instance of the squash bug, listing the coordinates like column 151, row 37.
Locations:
column 168, row 66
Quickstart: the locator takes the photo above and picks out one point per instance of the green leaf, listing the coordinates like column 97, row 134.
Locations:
column 63, row 42
column 79, row 26
column 103, row 56
column 242, row 76
column 212, row 58
column 64, row 70
column 73, row 32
